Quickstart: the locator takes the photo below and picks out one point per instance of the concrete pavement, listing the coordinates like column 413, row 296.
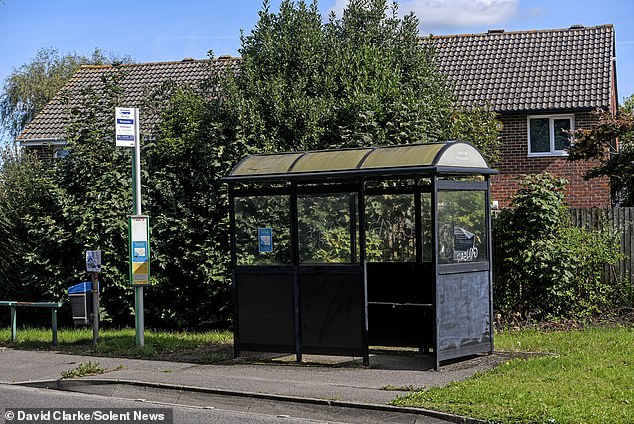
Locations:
column 327, row 383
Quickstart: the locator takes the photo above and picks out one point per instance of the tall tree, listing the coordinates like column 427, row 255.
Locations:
column 188, row 206
column 614, row 160
column 29, row 88
column 303, row 84
column 26, row 203
column 57, row 211
column 362, row 79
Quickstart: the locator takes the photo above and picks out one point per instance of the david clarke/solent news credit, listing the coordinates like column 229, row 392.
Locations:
column 89, row 415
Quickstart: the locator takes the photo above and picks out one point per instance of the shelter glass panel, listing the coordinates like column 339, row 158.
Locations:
column 391, row 228
column 426, row 226
column 328, row 228
column 462, row 226
column 263, row 234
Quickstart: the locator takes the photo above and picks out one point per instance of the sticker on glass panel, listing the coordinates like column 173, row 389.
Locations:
column 265, row 240
column 464, row 245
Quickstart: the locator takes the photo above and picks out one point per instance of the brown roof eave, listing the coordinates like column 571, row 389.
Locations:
column 549, row 111
column 41, row 141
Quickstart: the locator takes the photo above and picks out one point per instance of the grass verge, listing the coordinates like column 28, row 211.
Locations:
column 586, row 378
column 207, row 347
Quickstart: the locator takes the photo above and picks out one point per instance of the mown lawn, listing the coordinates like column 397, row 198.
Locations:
column 581, row 376
column 195, row 347
column 584, row 376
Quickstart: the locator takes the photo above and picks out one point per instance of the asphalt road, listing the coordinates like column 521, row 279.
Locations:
column 13, row 398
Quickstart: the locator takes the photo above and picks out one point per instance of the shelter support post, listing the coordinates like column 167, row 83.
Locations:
column 434, row 258
column 295, row 260
column 364, row 274
column 418, row 230
column 489, row 255
column 234, row 260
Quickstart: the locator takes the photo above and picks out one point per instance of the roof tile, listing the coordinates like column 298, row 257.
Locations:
column 138, row 80
column 529, row 70
column 559, row 69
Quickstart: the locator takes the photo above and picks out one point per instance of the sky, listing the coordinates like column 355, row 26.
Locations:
column 168, row 30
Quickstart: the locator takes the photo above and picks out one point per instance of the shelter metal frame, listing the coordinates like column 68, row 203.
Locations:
column 265, row 297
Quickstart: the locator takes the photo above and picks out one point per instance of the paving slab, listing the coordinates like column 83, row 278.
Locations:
column 332, row 385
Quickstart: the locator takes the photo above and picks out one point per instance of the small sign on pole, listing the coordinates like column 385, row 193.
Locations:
column 126, row 121
column 93, row 260
column 139, row 250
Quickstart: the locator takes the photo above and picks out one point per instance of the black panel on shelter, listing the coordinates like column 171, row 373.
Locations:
column 464, row 317
column 331, row 311
column 401, row 325
column 400, row 282
column 266, row 309
column 400, row 298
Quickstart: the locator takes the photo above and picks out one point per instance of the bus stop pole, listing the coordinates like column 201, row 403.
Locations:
column 136, row 202
column 95, row 310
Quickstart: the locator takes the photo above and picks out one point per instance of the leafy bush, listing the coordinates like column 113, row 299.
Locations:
column 550, row 269
column 307, row 83
column 190, row 216
column 55, row 212
column 27, row 204
column 303, row 84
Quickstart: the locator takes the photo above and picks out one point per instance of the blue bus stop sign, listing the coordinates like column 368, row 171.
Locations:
column 265, row 240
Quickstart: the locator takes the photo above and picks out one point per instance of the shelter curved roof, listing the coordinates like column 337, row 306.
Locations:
column 453, row 157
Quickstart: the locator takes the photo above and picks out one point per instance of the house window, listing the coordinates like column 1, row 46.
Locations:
column 61, row 153
column 548, row 135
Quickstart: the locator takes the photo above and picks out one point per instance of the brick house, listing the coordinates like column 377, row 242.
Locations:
column 539, row 82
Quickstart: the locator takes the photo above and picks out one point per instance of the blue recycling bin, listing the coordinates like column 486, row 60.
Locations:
column 80, row 296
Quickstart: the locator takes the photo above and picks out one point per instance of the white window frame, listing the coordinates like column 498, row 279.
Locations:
column 551, row 126
column 61, row 153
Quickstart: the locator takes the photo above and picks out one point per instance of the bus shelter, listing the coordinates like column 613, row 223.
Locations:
column 335, row 251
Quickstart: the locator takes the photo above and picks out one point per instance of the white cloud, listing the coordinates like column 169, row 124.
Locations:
column 440, row 16
column 338, row 7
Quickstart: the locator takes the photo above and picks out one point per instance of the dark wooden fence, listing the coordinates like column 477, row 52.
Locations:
column 621, row 220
